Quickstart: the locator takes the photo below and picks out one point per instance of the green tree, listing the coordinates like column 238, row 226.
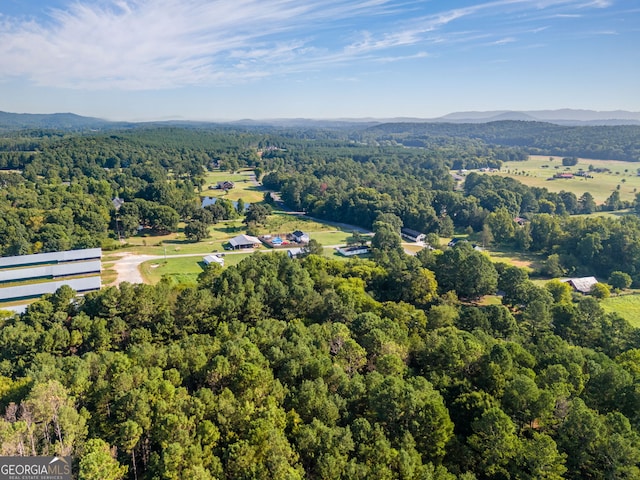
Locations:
column 257, row 213
column 163, row 219
column 390, row 219
column 240, row 205
column 586, row 203
column 510, row 281
column 619, row 280
column 486, row 236
column 613, row 202
column 313, row 248
column 551, row 267
column 494, row 443
column 502, row 225
column 386, row 238
column 561, row 291
column 600, row 291
column 99, row 462
column 540, row 459
column 469, row 272
column 545, row 232
column 196, row 230
column 130, row 433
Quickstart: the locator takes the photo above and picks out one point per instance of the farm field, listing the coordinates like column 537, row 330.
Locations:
column 536, row 171
column 627, row 306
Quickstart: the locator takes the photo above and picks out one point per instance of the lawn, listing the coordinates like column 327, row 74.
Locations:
column 280, row 222
column 185, row 269
column 219, row 234
column 627, row 306
column 182, row 269
column 537, row 169
column 244, row 186
column 528, row 261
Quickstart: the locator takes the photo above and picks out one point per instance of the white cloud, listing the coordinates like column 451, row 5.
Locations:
column 141, row 44
column 402, row 57
column 158, row 44
column 503, row 41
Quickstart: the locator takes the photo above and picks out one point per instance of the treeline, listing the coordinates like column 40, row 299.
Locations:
column 281, row 368
column 620, row 142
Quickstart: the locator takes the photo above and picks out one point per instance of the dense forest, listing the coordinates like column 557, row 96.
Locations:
column 603, row 142
column 282, row 368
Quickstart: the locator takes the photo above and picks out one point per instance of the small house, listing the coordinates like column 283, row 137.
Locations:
column 213, row 259
column 455, row 241
column 117, row 203
column 351, row 251
column 300, row 237
column 226, row 185
column 295, row 252
column 412, row 235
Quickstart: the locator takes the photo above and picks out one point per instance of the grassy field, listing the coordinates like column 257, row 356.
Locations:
column 187, row 268
column 535, row 172
column 181, row 269
column 528, row 261
column 219, row 234
column 244, row 186
column 627, row 306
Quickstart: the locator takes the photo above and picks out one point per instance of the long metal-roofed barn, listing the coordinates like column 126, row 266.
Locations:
column 44, row 273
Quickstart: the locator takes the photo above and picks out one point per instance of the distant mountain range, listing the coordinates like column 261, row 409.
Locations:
column 73, row 122
column 564, row 116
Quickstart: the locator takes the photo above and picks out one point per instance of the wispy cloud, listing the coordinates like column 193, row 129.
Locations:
column 158, row 44
column 402, row 58
column 503, row 41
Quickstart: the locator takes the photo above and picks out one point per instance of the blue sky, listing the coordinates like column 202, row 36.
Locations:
column 232, row 59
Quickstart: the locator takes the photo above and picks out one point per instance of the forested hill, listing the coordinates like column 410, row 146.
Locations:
column 620, row 142
column 62, row 121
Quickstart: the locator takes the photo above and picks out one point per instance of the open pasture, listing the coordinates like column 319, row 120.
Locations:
column 536, row 171
column 244, row 186
column 627, row 306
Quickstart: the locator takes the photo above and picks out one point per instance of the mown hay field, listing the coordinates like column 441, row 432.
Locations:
column 536, row 171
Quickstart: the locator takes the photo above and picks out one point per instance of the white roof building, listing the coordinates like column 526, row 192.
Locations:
column 213, row 259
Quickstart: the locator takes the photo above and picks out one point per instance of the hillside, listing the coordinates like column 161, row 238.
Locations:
column 61, row 121
column 599, row 142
